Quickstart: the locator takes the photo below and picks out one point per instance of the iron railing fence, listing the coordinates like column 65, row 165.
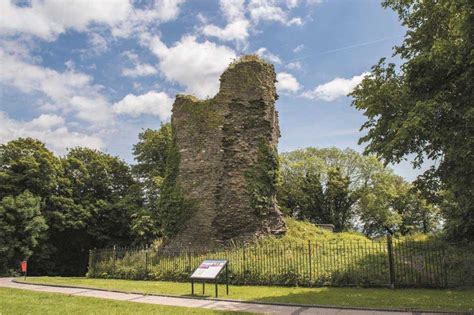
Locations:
column 314, row 263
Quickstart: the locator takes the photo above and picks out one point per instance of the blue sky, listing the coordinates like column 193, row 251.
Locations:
column 96, row 73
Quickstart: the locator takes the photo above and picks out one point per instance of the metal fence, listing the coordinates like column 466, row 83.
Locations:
column 333, row 263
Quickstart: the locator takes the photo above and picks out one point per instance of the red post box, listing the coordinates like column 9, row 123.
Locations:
column 24, row 266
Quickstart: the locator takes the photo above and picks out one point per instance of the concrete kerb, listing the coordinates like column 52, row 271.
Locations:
column 409, row 310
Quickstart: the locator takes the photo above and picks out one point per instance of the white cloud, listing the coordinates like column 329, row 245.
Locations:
column 69, row 90
column 153, row 103
column 295, row 21
column 334, row 89
column 233, row 9
column 49, row 18
column 139, row 70
column 292, row 3
column 238, row 25
column 298, row 48
column 196, row 65
column 236, row 30
column 287, row 83
column 167, row 10
column 268, row 10
column 138, row 20
column 46, row 121
column 47, row 128
column 265, row 54
column 296, row 65
column 313, row 2
column 98, row 42
column 92, row 108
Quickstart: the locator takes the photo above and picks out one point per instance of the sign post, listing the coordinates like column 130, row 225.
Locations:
column 24, row 267
column 210, row 270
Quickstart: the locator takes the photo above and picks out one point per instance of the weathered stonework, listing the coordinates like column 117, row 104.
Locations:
column 227, row 158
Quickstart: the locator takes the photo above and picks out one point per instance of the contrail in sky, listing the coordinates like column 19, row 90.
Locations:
column 344, row 48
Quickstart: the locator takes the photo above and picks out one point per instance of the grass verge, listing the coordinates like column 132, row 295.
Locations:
column 417, row 299
column 16, row 301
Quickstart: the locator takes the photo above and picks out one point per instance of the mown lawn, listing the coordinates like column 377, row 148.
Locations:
column 419, row 299
column 15, row 301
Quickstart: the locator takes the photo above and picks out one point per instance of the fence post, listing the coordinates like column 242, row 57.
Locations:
column 146, row 263
column 114, row 258
column 391, row 262
column 188, row 254
column 243, row 269
column 91, row 268
column 310, row 263
column 444, row 266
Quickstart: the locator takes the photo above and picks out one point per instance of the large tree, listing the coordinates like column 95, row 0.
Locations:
column 349, row 190
column 338, row 200
column 322, row 185
column 151, row 155
column 27, row 165
column 425, row 107
column 151, row 152
column 22, row 228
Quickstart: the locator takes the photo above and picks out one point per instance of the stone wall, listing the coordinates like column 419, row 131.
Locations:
column 227, row 158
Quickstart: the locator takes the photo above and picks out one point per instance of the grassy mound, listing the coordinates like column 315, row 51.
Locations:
column 306, row 256
column 302, row 231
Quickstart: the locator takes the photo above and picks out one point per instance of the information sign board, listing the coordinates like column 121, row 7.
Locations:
column 209, row 269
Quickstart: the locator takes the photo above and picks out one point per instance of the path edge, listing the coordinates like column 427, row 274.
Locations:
column 412, row 310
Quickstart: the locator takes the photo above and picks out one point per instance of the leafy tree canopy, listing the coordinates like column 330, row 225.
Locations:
column 151, row 154
column 22, row 227
column 151, row 151
column 349, row 190
column 425, row 107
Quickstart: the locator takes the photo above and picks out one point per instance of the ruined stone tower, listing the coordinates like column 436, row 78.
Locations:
column 227, row 152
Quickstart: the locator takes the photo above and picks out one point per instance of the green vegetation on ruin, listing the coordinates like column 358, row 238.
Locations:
column 248, row 58
column 173, row 206
column 262, row 179
column 204, row 114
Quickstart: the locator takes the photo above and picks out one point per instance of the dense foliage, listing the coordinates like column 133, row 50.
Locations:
column 53, row 210
column 172, row 207
column 22, row 227
column 344, row 188
column 262, row 179
column 151, row 153
column 424, row 107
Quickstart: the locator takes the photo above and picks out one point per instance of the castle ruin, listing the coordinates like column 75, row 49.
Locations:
column 228, row 162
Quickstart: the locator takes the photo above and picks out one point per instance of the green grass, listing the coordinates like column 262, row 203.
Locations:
column 16, row 301
column 305, row 256
column 420, row 299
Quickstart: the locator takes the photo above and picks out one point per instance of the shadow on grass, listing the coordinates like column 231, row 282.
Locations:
column 402, row 299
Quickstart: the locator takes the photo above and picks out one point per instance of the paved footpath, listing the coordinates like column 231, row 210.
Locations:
column 201, row 303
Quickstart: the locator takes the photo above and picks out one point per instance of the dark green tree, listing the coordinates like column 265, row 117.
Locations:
column 151, row 154
column 338, row 200
column 425, row 107
column 391, row 205
column 311, row 205
column 343, row 188
column 26, row 165
column 106, row 198
column 321, row 185
column 22, row 228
